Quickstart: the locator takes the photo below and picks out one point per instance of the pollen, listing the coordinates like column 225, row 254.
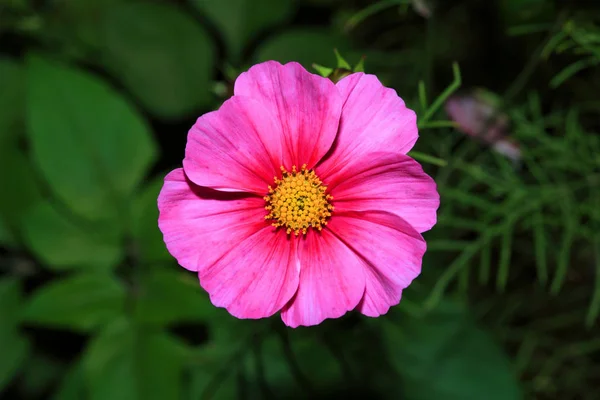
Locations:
column 298, row 201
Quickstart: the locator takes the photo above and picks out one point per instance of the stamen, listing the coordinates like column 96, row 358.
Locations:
column 298, row 201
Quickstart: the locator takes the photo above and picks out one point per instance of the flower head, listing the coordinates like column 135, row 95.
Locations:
column 297, row 196
column 478, row 115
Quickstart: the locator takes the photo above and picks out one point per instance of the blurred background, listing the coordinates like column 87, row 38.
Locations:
column 96, row 98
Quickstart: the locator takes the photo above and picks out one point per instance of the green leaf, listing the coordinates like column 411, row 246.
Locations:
column 7, row 238
column 317, row 363
column 341, row 61
column 444, row 355
column 268, row 367
column 40, row 373
column 22, row 190
column 14, row 347
column 72, row 386
column 164, row 57
column 520, row 11
column 127, row 363
column 240, row 21
column 304, row 45
column 16, row 174
column 150, row 244
column 323, row 71
column 81, row 302
column 360, row 66
column 64, row 244
column 15, row 350
column 78, row 24
column 12, row 99
column 10, row 303
column 168, row 296
column 91, row 146
column 214, row 376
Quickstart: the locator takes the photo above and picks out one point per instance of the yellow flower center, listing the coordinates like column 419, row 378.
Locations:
column 298, row 201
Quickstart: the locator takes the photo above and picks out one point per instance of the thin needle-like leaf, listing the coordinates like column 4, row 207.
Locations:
column 505, row 255
column 422, row 96
column 540, row 247
column 525, row 353
column 441, row 99
column 594, row 308
column 428, row 159
column 372, row 10
column 573, row 69
column 564, row 254
column 485, row 264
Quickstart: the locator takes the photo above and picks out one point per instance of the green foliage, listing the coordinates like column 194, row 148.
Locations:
column 64, row 242
column 39, row 375
column 12, row 101
column 444, row 355
column 165, row 59
column 82, row 302
column 14, row 355
column 580, row 38
column 6, row 237
column 144, row 227
column 304, row 45
column 129, row 363
column 240, row 21
column 168, row 297
column 89, row 144
column 15, row 348
column 72, row 386
column 16, row 173
column 530, row 11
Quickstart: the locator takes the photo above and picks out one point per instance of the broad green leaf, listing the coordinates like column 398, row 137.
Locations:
column 162, row 55
column 315, row 361
column 21, row 189
column 90, row 145
column 15, row 348
column 210, row 376
column 7, row 238
column 127, row 363
column 275, row 371
column 169, row 296
column 78, row 23
column 39, row 374
column 82, row 302
column 444, row 355
column 72, row 386
column 10, row 303
column 240, row 21
column 304, row 45
column 12, row 98
column 149, row 239
column 520, row 11
column 16, row 174
column 63, row 242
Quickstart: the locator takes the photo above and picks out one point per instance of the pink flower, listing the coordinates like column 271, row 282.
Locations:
column 297, row 196
column 478, row 115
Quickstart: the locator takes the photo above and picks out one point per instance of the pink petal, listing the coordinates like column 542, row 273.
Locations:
column 306, row 107
column 236, row 148
column 332, row 281
column 199, row 225
column 374, row 119
column 389, row 182
column 391, row 250
column 257, row 277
